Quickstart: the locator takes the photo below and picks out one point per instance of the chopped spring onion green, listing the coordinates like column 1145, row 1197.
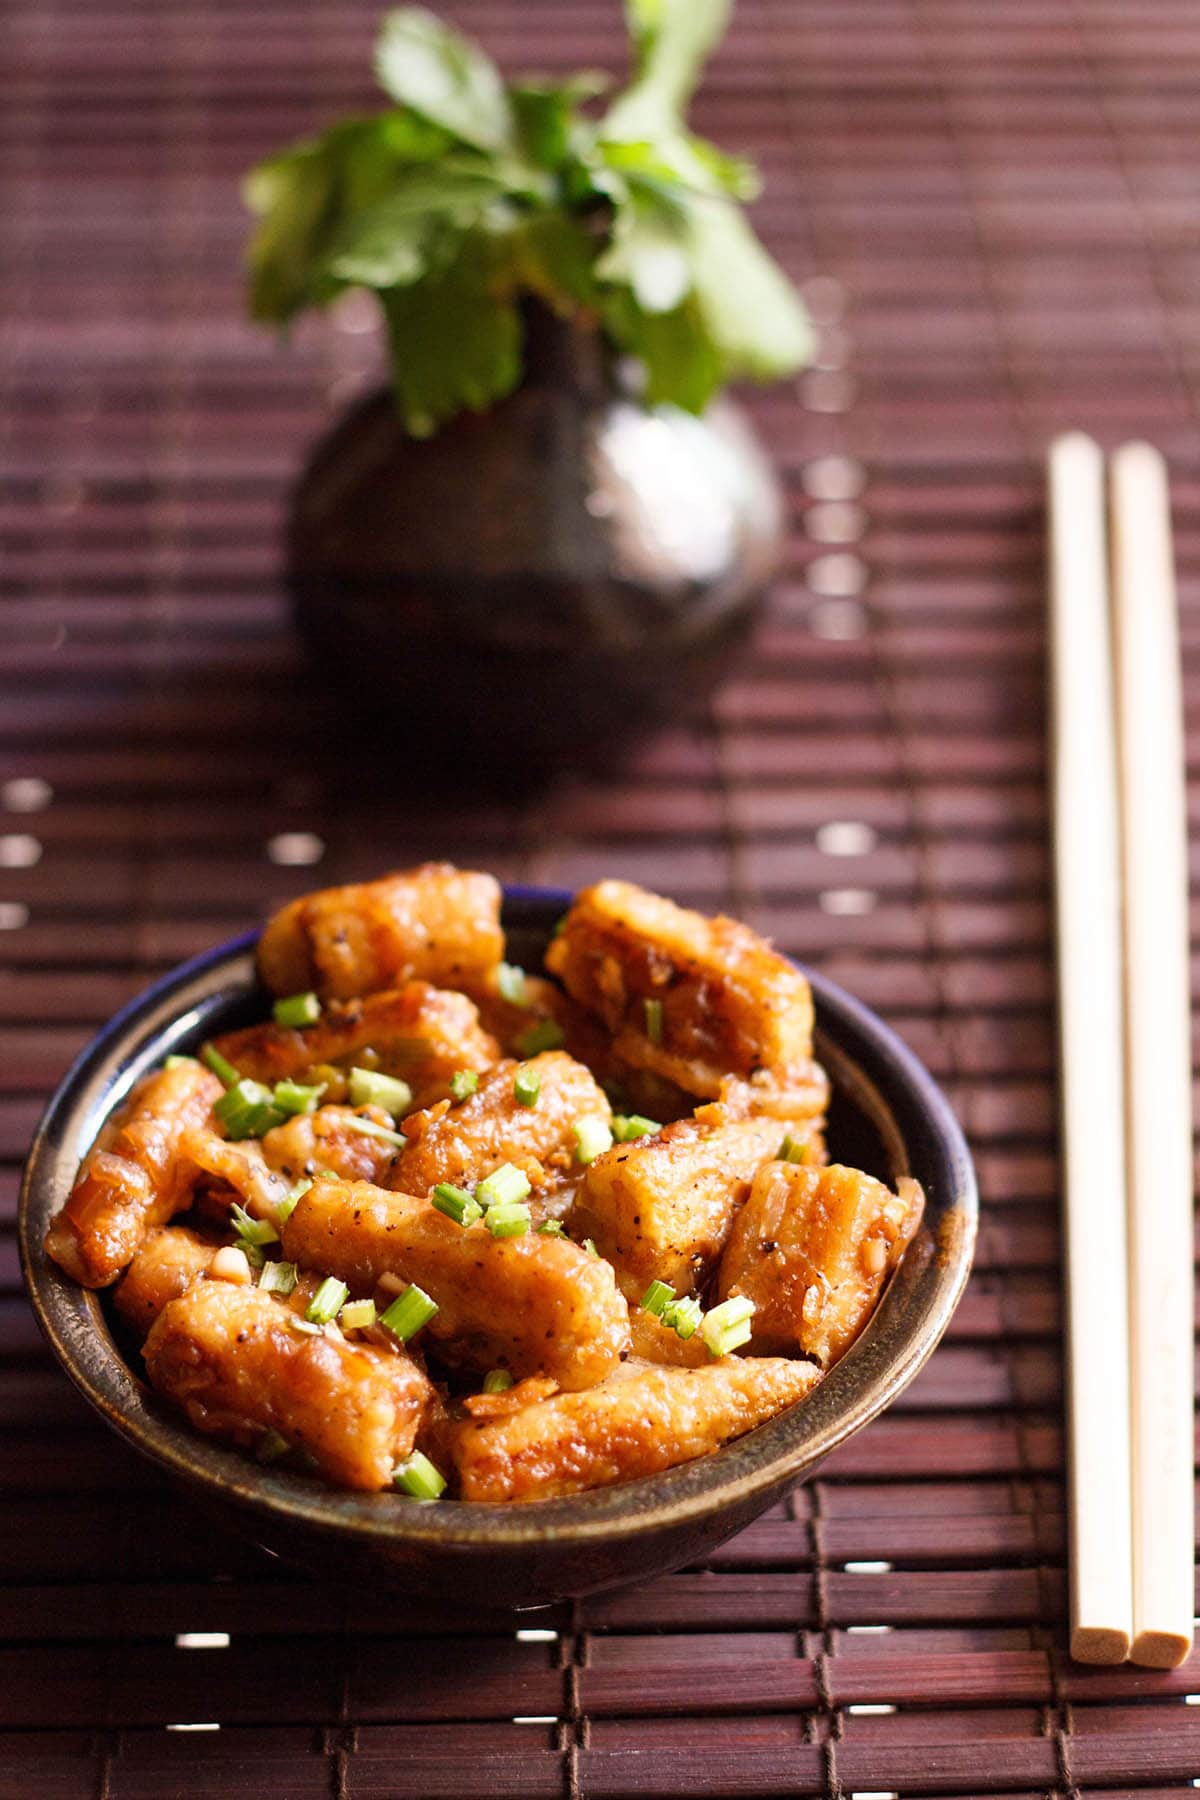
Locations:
column 277, row 1278
column 511, row 982
column 304, row 1325
column 328, row 1300
column 293, row 1098
column 654, row 1020
column 463, row 1083
column 728, row 1326
column 628, row 1126
column 683, row 1316
column 291, row 1199
column 527, row 1085
column 589, row 1245
column 551, row 1228
column 247, row 1110
column 224, row 1071
column 497, row 1381
column 417, row 1477
column 368, row 1128
column 502, row 1187
column 456, row 1203
column 547, row 1034
column 793, row 1150
column 408, row 1312
column 356, row 1315
column 180, row 1062
column 367, row 1088
column 509, row 1219
column 271, row 1446
column 297, row 1009
column 251, row 1230
column 592, row 1139
column 657, row 1297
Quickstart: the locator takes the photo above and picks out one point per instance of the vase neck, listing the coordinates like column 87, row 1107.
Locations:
column 562, row 352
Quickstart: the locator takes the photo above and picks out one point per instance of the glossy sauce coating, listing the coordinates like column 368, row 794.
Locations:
column 133, row 1178
column 328, row 1139
column 533, row 1305
column 166, row 1264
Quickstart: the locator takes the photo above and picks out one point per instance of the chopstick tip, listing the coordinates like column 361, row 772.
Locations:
column 1160, row 1649
column 1099, row 1644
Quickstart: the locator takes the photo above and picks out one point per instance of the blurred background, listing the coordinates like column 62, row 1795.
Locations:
column 990, row 207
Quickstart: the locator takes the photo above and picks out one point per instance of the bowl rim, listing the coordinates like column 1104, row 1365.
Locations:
column 891, row 1351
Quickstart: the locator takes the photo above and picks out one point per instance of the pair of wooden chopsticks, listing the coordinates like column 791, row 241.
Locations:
column 1120, row 858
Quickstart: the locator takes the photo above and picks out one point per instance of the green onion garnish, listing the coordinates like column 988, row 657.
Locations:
column 271, row 1446
column 251, row 1230
column 277, row 1277
column 417, row 1477
column 551, row 1228
column 509, row 1219
column 356, row 1315
column 368, row 1128
column 292, row 1097
column 793, row 1150
column 304, row 1325
column 497, row 1381
column 180, row 1062
column 727, row 1326
column 456, row 1203
column 511, row 982
column 683, row 1316
column 246, row 1110
column 589, row 1245
column 654, row 1020
column 527, row 1085
column 291, row 1199
column 592, row 1139
column 628, row 1126
column 224, row 1071
column 463, row 1083
column 408, row 1312
column 297, row 1009
column 547, row 1034
column 325, row 1304
column 657, row 1297
column 502, row 1187
column 367, row 1088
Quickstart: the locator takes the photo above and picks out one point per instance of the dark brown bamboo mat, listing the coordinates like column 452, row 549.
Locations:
column 993, row 208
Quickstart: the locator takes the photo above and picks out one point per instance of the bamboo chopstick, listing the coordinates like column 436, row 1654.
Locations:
column 1158, row 1082
column 1087, row 920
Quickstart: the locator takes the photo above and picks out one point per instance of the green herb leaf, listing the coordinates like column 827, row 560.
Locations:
column 671, row 39
column 748, row 306
column 425, row 65
column 416, row 229
column 454, row 343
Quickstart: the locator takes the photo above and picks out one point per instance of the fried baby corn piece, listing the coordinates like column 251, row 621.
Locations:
column 234, row 1360
column 133, row 1178
column 166, row 1264
column 661, row 1208
column 696, row 1000
column 533, row 1305
column 467, row 1141
column 436, row 923
column 327, row 1139
column 640, row 1421
column 812, row 1249
column 423, row 1034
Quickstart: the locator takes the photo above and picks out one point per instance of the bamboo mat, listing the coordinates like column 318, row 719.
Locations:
column 993, row 208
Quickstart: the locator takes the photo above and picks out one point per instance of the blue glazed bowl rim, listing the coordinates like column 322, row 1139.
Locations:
column 910, row 1320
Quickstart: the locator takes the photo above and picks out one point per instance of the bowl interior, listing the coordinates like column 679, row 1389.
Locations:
column 887, row 1117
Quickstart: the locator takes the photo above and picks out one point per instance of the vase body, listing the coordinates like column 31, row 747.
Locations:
column 543, row 577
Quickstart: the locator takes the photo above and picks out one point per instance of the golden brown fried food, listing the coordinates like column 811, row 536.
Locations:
column 423, row 1034
column 653, row 1342
column 235, row 1360
column 165, row 1265
column 436, row 923
column 638, row 1422
column 328, row 1139
column 239, row 1167
column 693, row 999
column 133, row 1178
column 661, row 1208
column 812, row 1249
column 533, row 1305
column 467, row 1141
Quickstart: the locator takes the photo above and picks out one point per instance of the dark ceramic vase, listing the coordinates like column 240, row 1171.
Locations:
column 544, row 576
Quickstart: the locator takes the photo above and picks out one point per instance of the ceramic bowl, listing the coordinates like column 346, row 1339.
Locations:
column 887, row 1116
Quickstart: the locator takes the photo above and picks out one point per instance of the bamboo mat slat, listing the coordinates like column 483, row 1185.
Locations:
column 993, row 212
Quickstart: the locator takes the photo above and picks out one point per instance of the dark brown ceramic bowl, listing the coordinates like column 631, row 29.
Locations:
column 887, row 1116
